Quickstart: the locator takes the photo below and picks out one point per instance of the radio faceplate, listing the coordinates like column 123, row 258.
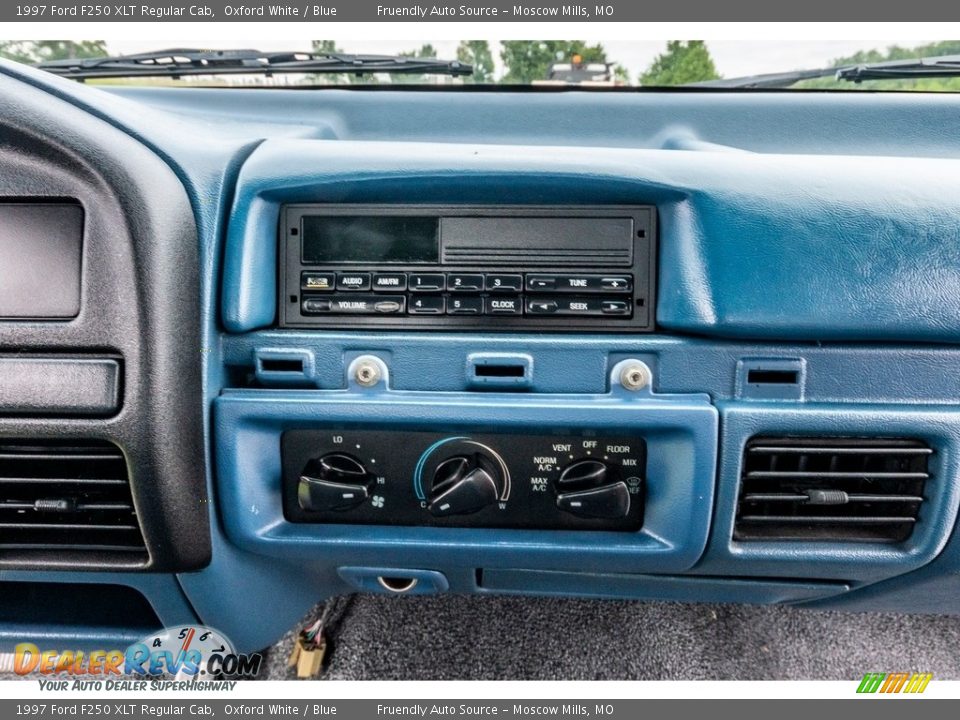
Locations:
column 432, row 267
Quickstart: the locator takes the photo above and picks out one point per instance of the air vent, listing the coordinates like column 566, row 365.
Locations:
column 68, row 499
column 839, row 489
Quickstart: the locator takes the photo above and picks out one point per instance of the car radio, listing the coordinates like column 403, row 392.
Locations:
column 495, row 268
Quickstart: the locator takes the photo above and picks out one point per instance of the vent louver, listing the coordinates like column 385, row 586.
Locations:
column 839, row 489
column 70, row 498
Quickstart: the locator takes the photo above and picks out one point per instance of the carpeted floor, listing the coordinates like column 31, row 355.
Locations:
column 507, row 638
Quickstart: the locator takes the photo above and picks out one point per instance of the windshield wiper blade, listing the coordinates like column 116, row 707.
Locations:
column 766, row 80
column 941, row 66
column 180, row 62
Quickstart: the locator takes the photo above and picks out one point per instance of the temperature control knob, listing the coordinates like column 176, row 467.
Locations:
column 592, row 489
column 335, row 481
column 464, row 484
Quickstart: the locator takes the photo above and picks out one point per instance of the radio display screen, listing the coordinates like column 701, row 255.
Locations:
column 369, row 239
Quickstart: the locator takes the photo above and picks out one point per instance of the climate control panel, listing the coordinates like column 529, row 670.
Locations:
column 464, row 479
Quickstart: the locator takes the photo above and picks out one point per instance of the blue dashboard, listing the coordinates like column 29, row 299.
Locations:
column 807, row 289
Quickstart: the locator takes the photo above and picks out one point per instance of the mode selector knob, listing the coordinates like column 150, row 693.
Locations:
column 335, row 481
column 464, row 484
column 592, row 489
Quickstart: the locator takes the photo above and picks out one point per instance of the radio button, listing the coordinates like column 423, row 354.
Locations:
column 317, row 281
column 312, row 306
column 470, row 305
column 541, row 282
column 353, row 281
column 615, row 307
column 427, row 305
column 504, row 283
column 541, row 307
column 577, row 283
column 388, row 306
column 618, row 283
column 354, row 305
column 577, row 306
column 427, row 283
column 503, row 306
column 389, row 282
column 465, row 283
column 580, row 283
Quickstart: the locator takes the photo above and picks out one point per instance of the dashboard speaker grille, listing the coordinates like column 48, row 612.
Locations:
column 66, row 497
column 833, row 489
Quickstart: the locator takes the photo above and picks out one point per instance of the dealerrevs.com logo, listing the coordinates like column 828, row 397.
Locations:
column 189, row 654
column 892, row 683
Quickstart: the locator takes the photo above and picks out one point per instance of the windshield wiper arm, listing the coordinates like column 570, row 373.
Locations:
column 179, row 62
column 942, row 66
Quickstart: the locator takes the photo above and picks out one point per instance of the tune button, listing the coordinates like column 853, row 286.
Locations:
column 618, row 283
column 541, row 282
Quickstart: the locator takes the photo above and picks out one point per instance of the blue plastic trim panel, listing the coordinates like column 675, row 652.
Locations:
column 845, row 249
column 831, row 373
column 938, row 426
column 162, row 592
column 680, row 432
column 206, row 134
column 653, row 587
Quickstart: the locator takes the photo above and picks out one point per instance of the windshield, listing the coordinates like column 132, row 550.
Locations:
column 589, row 64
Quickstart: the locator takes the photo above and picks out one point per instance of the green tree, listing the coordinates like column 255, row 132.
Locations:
column 35, row 51
column 528, row 60
column 477, row 53
column 683, row 62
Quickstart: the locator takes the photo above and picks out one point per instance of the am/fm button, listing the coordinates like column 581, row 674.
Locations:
column 389, row 282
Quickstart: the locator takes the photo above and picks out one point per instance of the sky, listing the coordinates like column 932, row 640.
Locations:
column 732, row 57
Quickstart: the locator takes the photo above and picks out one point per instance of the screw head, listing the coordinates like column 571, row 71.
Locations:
column 367, row 374
column 635, row 376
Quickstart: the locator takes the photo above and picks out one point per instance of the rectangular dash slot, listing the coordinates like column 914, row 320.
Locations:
column 500, row 371
column 287, row 367
column 771, row 378
column 759, row 376
column 281, row 365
